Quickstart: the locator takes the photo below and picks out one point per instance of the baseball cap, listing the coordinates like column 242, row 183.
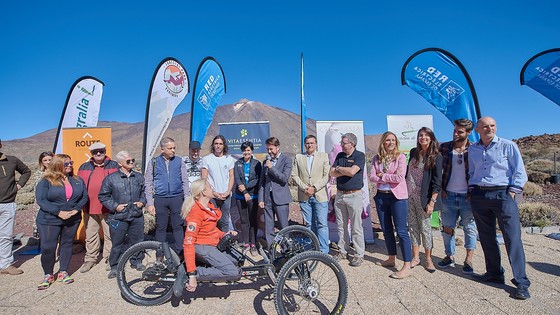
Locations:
column 97, row 146
column 194, row 145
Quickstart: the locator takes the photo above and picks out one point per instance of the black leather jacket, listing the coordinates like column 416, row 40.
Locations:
column 117, row 188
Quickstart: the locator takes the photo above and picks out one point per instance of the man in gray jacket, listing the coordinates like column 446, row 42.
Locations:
column 123, row 194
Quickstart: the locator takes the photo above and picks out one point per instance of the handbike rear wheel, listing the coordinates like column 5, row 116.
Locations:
column 152, row 286
column 301, row 289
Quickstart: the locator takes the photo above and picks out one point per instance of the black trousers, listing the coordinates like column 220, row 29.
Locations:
column 489, row 206
column 119, row 230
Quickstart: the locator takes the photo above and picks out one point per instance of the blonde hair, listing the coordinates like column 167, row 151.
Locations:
column 197, row 187
column 385, row 156
column 55, row 172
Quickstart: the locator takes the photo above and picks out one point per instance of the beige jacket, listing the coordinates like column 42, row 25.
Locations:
column 319, row 175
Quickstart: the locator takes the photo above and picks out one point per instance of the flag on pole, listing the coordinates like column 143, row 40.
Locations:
column 542, row 74
column 170, row 85
column 209, row 86
column 303, row 111
column 82, row 107
column 443, row 81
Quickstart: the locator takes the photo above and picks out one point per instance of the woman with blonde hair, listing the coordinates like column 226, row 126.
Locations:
column 202, row 236
column 61, row 196
column 423, row 180
column 388, row 172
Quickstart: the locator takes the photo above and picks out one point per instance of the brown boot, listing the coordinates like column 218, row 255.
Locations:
column 11, row 270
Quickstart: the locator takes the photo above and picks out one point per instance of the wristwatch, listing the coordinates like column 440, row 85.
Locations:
column 192, row 273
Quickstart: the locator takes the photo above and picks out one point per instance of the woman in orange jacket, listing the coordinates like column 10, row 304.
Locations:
column 202, row 236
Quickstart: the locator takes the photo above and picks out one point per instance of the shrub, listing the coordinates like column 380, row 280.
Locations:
column 538, row 177
column 24, row 200
column 540, row 166
column 149, row 222
column 532, row 189
column 538, row 214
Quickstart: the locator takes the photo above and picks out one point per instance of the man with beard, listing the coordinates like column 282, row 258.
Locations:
column 454, row 195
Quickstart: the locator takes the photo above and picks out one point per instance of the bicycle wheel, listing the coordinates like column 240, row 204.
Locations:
column 152, row 286
column 322, row 290
column 291, row 241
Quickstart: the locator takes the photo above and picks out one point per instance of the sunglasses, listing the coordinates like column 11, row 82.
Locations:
column 99, row 151
column 131, row 161
column 67, row 164
column 460, row 159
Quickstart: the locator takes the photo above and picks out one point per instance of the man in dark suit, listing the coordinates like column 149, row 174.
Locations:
column 274, row 193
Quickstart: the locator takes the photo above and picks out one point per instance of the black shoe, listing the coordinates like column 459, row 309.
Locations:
column 112, row 274
column 179, row 284
column 139, row 267
column 522, row 293
column 499, row 279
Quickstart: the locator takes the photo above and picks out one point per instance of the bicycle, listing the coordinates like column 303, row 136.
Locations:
column 305, row 279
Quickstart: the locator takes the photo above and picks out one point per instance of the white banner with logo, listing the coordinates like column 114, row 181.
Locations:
column 170, row 85
column 328, row 140
column 406, row 128
column 82, row 107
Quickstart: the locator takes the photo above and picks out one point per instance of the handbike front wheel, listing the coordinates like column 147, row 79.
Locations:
column 301, row 289
column 149, row 287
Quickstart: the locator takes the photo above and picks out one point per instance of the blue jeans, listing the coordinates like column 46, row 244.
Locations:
column 455, row 206
column 393, row 215
column 315, row 215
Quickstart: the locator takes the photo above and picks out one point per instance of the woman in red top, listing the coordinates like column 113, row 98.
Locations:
column 202, row 236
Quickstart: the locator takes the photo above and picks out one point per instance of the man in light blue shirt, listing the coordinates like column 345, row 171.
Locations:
column 496, row 175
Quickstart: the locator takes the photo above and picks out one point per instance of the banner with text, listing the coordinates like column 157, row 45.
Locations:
column 170, row 85
column 238, row 132
column 209, row 86
column 542, row 74
column 77, row 141
column 81, row 109
column 406, row 128
column 328, row 140
column 443, row 81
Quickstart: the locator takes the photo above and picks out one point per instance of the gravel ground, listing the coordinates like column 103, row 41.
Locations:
column 371, row 291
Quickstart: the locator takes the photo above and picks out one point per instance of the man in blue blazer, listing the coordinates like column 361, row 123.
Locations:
column 274, row 193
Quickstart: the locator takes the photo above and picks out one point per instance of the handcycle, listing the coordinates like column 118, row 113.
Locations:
column 305, row 280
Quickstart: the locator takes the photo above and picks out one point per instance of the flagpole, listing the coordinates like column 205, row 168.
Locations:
column 303, row 113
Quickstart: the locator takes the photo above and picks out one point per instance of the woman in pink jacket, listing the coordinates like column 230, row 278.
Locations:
column 388, row 172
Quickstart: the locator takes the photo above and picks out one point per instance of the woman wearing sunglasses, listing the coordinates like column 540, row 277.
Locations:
column 61, row 196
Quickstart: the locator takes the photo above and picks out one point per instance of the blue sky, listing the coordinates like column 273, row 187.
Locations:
column 354, row 52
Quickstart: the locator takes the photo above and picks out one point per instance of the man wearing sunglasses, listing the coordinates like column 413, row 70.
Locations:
column 123, row 194
column 9, row 187
column 454, row 195
column 95, row 214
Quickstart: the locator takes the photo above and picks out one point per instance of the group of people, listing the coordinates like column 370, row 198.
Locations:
column 476, row 183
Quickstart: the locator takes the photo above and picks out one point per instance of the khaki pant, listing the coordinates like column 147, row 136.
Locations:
column 349, row 207
column 92, row 223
